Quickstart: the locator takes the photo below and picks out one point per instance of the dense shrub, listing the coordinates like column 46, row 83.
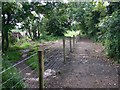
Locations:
column 110, row 34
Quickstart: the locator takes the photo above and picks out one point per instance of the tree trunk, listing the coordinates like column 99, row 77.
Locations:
column 3, row 40
column 30, row 33
column 34, row 33
column 6, row 32
column 38, row 32
column 3, row 36
column 7, row 40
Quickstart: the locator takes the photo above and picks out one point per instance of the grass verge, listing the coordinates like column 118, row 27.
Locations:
column 9, row 74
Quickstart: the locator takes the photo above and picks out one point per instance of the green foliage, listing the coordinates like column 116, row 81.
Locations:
column 110, row 31
column 12, row 55
column 33, row 60
column 22, row 44
column 97, row 25
column 54, row 27
column 10, row 16
column 100, row 7
column 49, row 38
column 95, row 20
column 8, row 74
column 71, row 33
column 12, row 40
column 113, row 6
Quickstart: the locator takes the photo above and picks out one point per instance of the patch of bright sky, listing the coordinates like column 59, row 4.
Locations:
column 106, row 3
column 74, row 22
column 65, row 1
column 43, row 2
column 35, row 14
column 29, row 1
column 18, row 25
column 41, row 16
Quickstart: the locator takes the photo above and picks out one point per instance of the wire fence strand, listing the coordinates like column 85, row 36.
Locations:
column 18, row 63
column 23, row 78
column 16, row 74
column 53, row 63
column 47, row 65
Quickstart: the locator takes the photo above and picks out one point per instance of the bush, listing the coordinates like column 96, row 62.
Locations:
column 110, row 31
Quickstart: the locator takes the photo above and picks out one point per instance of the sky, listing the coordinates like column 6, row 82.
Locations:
column 42, row 1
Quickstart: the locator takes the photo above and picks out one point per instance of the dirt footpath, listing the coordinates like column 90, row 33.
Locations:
column 86, row 67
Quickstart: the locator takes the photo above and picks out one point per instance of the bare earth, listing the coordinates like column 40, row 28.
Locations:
column 86, row 67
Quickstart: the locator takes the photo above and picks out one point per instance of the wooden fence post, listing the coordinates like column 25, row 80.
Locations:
column 70, row 45
column 79, row 37
column 73, row 41
column 64, row 49
column 41, row 69
column 76, row 38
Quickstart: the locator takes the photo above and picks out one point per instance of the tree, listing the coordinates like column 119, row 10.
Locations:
column 10, row 14
column 58, row 21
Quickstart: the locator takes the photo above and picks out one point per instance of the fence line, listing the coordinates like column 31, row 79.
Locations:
column 71, row 41
column 71, row 48
column 18, row 63
column 47, row 65
column 41, row 62
column 16, row 74
column 19, row 71
column 24, row 78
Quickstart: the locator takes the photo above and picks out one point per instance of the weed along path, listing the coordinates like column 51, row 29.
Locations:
column 86, row 67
